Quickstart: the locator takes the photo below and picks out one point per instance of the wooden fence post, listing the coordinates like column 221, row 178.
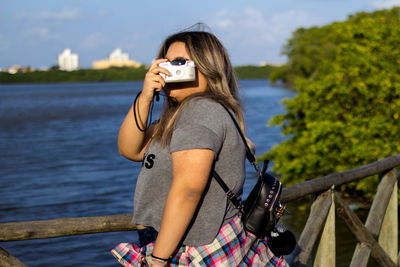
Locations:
column 6, row 259
column 388, row 237
column 376, row 215
column 318, row 213
column 326, row 253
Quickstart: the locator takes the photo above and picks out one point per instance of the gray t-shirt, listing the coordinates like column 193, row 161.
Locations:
column 203, row 123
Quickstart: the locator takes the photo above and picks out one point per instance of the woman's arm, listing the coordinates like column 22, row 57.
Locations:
column 191, row 171
column 131, row 141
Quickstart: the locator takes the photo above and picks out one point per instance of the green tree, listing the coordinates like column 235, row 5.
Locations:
column 112, row 74
column 254, row 72
column 82, row 75
column 347, row 109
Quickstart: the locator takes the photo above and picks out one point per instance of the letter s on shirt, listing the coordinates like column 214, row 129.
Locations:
column 148, row 161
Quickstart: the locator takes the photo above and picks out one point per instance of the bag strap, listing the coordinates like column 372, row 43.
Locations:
column 250, row 157
column 229, row 193
column 249, row 154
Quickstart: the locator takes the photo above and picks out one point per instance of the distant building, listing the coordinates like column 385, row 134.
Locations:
column 116, row 59
column 68, row 61
column 13, row 69
column 17, row 68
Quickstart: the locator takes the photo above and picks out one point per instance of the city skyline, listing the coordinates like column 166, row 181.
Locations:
column 34, row 33
column 66, row 60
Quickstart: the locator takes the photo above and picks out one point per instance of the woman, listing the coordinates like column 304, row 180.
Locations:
column 181, row 210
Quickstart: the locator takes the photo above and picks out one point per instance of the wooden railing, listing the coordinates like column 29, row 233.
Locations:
column 378, row 237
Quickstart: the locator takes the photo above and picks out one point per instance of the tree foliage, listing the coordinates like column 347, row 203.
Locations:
column 112, row 74
column 254, row 72
column 346, row 113
column 82, row 75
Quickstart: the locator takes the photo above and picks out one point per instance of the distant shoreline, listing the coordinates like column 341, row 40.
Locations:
column 112, row 75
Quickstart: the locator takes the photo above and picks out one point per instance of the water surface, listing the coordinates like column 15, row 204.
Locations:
column 59, row 158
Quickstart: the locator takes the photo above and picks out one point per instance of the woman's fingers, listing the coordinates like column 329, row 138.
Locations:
column 153, row 81
column 156, row 69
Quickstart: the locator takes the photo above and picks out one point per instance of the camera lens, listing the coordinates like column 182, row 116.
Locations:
column 179, row 73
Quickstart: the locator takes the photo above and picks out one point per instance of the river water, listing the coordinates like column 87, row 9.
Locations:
column 59, row 158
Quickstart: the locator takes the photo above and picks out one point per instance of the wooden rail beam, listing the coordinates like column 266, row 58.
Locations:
column 65, row 227
column 87, row 225
column 324, row 183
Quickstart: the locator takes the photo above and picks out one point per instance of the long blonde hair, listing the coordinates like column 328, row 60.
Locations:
column 211, row 59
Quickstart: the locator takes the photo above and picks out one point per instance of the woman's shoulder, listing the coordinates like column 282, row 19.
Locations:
column 204, row 105
column 204, row 111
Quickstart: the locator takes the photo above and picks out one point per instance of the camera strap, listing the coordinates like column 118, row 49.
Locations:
column 150, row 117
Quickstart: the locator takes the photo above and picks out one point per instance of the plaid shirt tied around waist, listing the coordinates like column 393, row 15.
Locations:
column 233, row 246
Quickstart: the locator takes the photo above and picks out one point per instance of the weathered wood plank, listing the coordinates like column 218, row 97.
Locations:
column 324, row 183
column 376, row 214
column 365, row 250
column 361, row 233
column 65, row 227
column 398, row 258
column 380, row 203
column 388, row 237
column 326, row 253
column 6, row 259
column 315, row 221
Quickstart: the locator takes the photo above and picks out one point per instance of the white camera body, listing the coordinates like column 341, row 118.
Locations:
column 180, row 73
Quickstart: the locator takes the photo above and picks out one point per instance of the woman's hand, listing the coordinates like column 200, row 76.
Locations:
column 153, row 82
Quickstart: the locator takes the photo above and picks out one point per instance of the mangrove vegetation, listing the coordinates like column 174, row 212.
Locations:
column 347, row 110
column 112, row 74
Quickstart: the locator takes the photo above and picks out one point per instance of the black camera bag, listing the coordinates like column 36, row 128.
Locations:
column 259, row 209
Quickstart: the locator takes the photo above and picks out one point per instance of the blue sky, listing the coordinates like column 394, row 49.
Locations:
column 253, row 31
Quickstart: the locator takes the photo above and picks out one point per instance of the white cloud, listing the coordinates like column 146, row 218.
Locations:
column 385, row 3
column 39, row 34
column 251, row 35
column 94, row 40
column 226, row 19
column 64, row 14
column 251, row 27
column 283, row 24
column 224, row 23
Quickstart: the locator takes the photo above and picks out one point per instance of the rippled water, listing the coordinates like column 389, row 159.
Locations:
column 59, row 158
